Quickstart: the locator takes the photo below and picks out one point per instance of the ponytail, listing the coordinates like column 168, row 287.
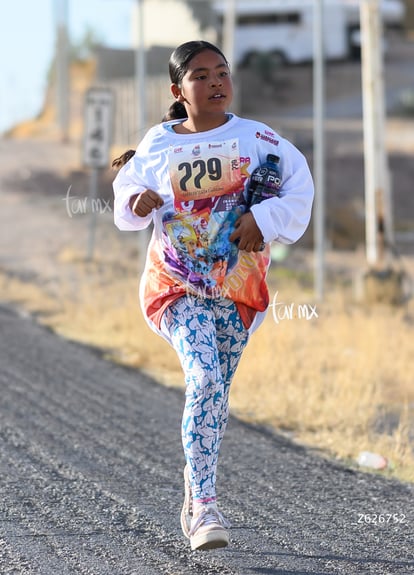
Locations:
column 176, row 111
column 123, row 159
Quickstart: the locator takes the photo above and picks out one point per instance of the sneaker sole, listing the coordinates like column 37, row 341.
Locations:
column 210, row 540
column 185, row 523
column 185, row 518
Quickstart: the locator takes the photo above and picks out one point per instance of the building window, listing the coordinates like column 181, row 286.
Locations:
column 269, row 19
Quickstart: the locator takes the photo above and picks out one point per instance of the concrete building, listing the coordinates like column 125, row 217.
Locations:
column 172, row 22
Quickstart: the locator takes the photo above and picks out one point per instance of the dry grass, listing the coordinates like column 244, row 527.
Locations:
column 335, row 381
column 341, row 382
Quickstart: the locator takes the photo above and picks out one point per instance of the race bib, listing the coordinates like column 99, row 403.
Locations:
column 204, row 170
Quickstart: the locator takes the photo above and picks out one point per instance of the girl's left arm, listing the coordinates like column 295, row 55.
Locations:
column 285, row 218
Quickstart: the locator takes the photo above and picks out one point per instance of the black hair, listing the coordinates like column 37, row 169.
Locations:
column 175, row 112
column 122, row 160
column 178, row 66
column 183, row 54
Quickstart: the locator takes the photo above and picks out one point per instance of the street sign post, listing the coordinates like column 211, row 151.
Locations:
column 98, row 127
column 99, row 103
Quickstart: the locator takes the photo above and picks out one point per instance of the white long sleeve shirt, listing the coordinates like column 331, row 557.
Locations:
column 203, row 179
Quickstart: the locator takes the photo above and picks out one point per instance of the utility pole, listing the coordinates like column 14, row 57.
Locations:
column 62, row 69
column 229, row 27
column 140, row 70
column 141, row 100
column 378, row 215
column 319, row 148
column 381, row 283
column 228, row 30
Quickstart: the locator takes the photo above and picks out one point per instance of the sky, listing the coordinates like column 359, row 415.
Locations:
column 27, row 44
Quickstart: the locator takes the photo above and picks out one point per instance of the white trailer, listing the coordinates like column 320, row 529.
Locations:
column 283, row 29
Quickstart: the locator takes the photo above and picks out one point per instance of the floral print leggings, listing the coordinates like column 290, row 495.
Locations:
column 209, row 337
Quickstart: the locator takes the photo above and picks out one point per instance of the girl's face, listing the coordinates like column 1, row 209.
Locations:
column 206, row 89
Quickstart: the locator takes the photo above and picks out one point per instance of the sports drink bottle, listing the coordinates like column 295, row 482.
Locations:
column 265, row 181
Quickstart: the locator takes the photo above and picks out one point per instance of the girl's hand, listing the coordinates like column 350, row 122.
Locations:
column 248, row 234
column 142, row 204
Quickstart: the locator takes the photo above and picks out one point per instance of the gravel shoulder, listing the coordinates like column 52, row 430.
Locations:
column 91, row 480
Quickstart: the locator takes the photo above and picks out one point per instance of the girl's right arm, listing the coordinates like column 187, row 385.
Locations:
column 142, row 204
column 134, row 185
column 133, row 200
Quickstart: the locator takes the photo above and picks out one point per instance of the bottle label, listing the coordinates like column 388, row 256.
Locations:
column 265, row 184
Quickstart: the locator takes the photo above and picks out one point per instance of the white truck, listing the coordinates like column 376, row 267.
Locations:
column 283, row 29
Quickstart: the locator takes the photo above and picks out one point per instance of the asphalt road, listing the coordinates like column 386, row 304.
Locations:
column 91, row 480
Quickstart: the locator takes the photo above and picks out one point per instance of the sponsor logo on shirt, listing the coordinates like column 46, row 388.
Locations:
column 267, row 137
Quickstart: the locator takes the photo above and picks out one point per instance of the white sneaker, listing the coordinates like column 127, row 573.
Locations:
column 187, row 510
column 209, row 529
